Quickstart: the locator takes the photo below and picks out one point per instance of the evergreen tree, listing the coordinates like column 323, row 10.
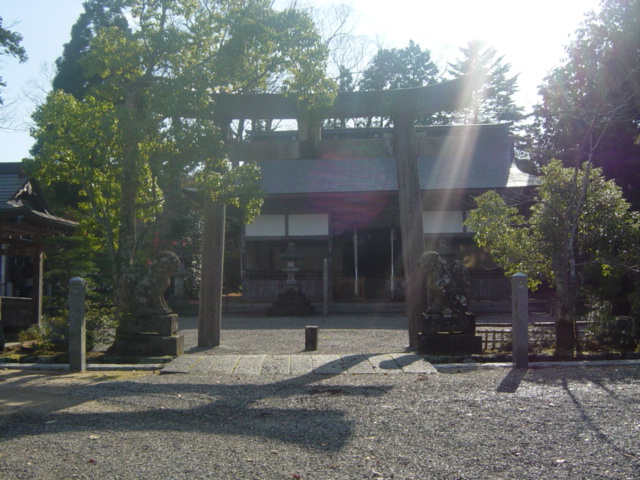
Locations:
column 590, row 108
column 71, row 77
column 399, row 68
column 493, row 103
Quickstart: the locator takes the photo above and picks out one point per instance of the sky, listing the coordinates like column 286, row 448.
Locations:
column 530, row 34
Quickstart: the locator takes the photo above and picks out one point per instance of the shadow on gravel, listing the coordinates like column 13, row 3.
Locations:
column 205, row 407
column 511, row 382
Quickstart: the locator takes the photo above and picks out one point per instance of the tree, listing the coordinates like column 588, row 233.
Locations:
column 10, row 46
column 493, row 103
column 593, row 98
column 399, row 68
column 70, row 76
column 579, row 220
column 148, row 117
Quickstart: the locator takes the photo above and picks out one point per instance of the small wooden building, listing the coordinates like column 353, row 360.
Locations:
column 25, row 220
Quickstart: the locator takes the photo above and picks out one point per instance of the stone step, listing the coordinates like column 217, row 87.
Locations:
column 300, row 364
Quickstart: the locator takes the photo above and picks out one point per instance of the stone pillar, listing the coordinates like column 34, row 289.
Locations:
column 210, row 314
column 520, row 320
column 77, row 326
column 410, row 200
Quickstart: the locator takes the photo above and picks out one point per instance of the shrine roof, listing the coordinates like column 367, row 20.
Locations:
column 21, row 197
column 475, row 172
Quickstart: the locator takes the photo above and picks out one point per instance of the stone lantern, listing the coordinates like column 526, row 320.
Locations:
column 292, row 301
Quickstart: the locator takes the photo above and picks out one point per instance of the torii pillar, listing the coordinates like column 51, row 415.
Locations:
column 410, row 202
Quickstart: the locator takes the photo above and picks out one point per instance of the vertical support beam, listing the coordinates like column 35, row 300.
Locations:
column 77, row 326
column 410, row 200
column 356, row 290
column 392, row 283
column 38, row 276
column 325, row 287
column 520, row 320
column 210, row 314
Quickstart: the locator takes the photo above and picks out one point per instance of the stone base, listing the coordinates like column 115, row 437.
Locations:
column 464, row 324
column 291, row 303
column 449, row 344
column 149, row 345
column 165, row 325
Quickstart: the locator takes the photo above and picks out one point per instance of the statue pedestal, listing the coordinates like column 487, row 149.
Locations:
column 149, row 335
column 449, row 335
column 291, row 303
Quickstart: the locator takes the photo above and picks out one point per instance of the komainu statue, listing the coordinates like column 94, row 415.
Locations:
column 448, row 284
column 149, row 293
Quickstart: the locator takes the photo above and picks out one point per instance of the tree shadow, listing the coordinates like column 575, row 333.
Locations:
column 253, row 410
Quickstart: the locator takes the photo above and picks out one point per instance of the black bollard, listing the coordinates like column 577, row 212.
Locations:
column 311, row 339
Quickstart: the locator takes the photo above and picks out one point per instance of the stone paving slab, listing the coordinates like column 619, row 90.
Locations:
column 300, row 364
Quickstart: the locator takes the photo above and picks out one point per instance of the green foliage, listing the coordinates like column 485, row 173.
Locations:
column 10, row 45
column 608, row 332
column 493, row 102
column 591, row 103
column 537, row 245
column 400, row 68
column 69, row 257
column 508, row 234
column 580, row 222
column 141, row 117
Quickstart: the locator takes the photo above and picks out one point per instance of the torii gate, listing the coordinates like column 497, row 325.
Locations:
column 404, row 106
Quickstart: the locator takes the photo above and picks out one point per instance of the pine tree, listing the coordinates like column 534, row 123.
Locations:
column 493, row 103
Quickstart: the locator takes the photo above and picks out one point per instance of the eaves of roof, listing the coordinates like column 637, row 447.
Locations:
column 317, row 176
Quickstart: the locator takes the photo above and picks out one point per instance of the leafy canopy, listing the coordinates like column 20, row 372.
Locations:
column 537, row 244
column 139, row 115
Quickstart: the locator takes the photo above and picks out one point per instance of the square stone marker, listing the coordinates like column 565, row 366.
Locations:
column 358, row 363
column 276, row 365
column 301, row 365
column 384, row 364
column 182, row 364
column 249, row 365
column 223, row 364
column 327, row 364
column 412, row 363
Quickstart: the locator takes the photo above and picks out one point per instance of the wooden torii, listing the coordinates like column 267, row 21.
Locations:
column 403, row 106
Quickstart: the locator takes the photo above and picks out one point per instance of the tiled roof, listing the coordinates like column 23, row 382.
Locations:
column 20, row 195
column 380, row 174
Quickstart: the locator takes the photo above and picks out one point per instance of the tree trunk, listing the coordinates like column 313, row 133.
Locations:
column 124, row 274
column 566, row 340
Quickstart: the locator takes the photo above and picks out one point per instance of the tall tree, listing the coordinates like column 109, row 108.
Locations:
column 147, row 119
column 493, row 103
column 10, row 45
column 70, row 76
column 590, row 104
column 395, row 68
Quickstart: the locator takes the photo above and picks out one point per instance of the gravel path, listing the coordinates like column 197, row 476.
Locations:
column 285, row 335
column 460, row 423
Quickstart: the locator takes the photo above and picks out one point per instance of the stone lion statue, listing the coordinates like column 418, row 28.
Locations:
column 149, row 292
column 448, row 286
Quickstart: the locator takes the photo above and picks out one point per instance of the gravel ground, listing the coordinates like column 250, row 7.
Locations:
column 285, row 335
column 461, row 423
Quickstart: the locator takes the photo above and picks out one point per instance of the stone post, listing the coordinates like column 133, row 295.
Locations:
column 77, row 326
column 520, row 320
